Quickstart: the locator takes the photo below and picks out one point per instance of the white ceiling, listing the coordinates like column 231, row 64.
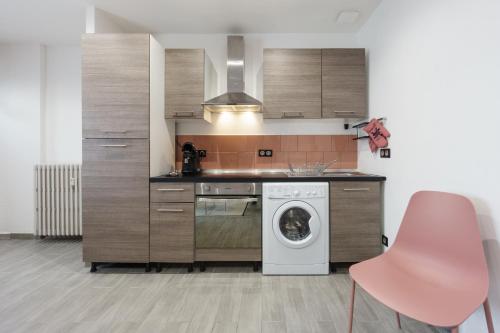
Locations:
column 62, row 21
column 45, row 21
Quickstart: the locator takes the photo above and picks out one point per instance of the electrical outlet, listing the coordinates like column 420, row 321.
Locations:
column 265, row 152
column 385, row 153
column 385, row 240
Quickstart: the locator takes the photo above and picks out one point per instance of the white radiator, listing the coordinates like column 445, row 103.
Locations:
column 58, row 196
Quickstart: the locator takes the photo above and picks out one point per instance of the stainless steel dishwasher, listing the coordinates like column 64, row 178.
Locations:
column 228, row 222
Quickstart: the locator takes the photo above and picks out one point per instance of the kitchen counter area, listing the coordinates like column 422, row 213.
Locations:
column 265, row 176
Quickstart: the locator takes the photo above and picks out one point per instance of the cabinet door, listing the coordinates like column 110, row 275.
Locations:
column 115, row 85
column 343, row 83
column 292, row 83
column 355, row 221
column 184, row 83
column 172, row 232
column 115, row 198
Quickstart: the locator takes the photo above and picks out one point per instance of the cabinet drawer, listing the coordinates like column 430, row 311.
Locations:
column 172, row 192
column 115, row 211
column 355, row 221
column 172, row 232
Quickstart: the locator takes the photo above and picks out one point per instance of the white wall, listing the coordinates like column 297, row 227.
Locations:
column 216, row 48
column 21, row 110
column 63, row 105
column 435, row 74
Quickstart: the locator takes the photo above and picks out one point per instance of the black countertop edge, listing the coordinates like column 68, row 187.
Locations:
column 269, row 177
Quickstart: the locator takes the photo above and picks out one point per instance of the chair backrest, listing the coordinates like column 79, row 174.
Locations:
column 440, row 229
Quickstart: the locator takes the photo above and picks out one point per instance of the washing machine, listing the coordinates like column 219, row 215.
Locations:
column 295, row 228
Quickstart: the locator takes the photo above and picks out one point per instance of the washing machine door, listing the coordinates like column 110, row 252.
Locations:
column 296, row 224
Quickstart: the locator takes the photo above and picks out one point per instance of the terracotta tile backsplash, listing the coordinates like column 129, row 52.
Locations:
column 241, row 151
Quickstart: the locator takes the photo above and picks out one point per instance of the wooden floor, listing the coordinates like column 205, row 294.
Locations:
column 44, row 287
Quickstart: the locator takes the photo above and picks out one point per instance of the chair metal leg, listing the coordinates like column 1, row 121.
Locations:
column 398, row 320
column 351, row 309
column 487, row 313
column 454, row 330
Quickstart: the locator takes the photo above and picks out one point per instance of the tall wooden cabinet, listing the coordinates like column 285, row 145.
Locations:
column 355, row 221
column 343, row 77
column 122, row 82
column 292, row 83
column 115, row 83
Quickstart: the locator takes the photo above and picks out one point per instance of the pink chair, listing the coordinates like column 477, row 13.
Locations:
column 435, row 271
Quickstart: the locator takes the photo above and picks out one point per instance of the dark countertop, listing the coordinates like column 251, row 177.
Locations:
column 266, row 177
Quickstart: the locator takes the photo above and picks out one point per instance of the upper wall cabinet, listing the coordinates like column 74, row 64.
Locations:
column 292, row 83
column 343, row 83
column 115, row 85
column 190, row 79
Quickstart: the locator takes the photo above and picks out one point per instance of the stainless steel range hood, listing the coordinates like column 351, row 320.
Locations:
column 235, row 99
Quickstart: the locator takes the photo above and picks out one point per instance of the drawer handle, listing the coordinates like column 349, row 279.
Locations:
column 357, row 189
column 114, row 146
column 292, row 115
column 184, row 114
column 109, row 131
column 346, row 112
column 170, row 189
column 170, row 210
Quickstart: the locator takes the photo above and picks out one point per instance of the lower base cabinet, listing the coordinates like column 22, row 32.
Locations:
column 172, row 232
column 355, row 221
column 171, row 237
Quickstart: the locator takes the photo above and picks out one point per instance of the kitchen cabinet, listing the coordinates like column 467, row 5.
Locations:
column 172, row 232
column 292, row 83
column 115, row 85
column 344, row 83
column 172, row 222
column 190, row 79
column 115, row 211
column 355, row 221
column 126, row 140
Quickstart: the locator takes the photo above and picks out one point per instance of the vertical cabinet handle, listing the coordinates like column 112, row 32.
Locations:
column 170, row 210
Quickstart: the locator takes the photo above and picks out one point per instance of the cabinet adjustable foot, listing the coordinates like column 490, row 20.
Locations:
column 202, row 267
column 93, row 267
column 147, row 267
column 190, row 268
column 256, row 266
column 158, row 267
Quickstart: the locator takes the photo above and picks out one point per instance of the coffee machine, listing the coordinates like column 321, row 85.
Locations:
column 190, row 159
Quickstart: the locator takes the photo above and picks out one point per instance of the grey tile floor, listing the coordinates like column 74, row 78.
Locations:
column 45, row 287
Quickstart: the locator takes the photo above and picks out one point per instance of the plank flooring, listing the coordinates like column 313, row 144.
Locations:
column 45, row 287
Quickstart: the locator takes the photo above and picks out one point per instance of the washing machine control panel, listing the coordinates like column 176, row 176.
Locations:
column 296, row 191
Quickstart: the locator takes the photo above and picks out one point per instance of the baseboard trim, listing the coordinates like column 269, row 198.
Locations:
column 4, row 236
column 16, row 235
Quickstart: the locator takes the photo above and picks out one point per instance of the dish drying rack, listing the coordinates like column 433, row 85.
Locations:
column 308, row 169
